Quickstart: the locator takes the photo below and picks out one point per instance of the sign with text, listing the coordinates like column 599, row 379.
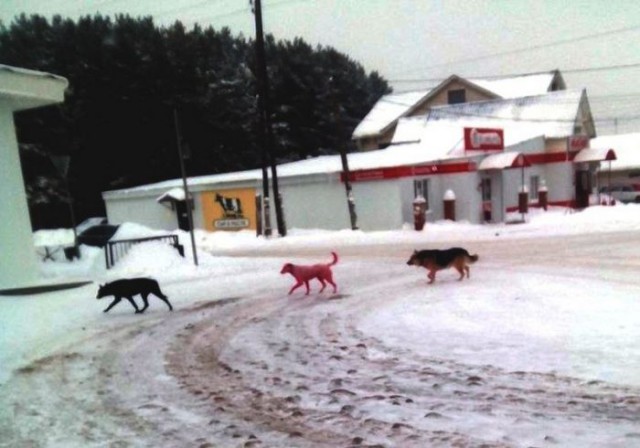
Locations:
column 483, row 139
column 229, row 209
column 578, row 142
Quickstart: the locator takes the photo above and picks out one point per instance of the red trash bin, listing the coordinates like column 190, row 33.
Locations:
column 419, row 212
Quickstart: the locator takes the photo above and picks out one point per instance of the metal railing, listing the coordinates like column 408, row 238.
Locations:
column 114, row 250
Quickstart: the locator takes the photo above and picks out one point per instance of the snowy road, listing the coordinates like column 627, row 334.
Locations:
column 261, row 369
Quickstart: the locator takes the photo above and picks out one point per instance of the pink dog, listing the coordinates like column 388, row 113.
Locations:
column 304, row 274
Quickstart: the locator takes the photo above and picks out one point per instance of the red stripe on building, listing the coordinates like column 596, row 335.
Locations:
column 542, row 158
column 398, row 172
column 409, row 171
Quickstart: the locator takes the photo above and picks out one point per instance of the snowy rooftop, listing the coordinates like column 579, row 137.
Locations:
column 551, row 115
column 626, row 147
column 518, row 86
column 387, row 110
column 392, row 107
column 397, row 155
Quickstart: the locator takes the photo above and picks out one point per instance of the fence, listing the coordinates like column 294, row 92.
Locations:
column 114, row 250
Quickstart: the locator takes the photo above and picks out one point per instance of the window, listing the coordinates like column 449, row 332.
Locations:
column 421, row 188
column 534, row 185
column 456, row 96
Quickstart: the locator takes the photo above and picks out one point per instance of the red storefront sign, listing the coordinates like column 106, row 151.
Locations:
column 483, row 139
column 578, row 142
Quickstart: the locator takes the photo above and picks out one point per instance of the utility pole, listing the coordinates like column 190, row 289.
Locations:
column 265, row 114
column 187, row 196
column 353, row 217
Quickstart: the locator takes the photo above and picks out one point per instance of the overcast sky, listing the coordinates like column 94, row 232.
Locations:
column 593, row 42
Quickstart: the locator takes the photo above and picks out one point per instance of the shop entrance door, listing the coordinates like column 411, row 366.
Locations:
column 485, row 187
column 583, row 188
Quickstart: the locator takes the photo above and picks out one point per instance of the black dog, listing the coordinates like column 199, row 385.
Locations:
column 437, row 260
column 128, row 288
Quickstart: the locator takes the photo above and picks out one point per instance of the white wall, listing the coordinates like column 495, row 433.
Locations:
column 465, row 186
column 320, row 205
column 142, row 210
column 378, row 205
column 18, row 262
column 560, row 181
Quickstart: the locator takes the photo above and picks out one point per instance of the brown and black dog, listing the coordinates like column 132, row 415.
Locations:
column 304, row 274
column 437, row 260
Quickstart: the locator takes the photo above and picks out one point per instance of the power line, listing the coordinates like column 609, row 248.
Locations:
column 496, row 77
column 234, row 12
column 537, row 47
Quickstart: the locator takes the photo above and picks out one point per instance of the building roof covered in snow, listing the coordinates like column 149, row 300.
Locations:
column 626, row 147
column 390, row 108
column 552, row 115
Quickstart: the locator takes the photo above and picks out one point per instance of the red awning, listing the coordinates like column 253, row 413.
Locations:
column 502, row 161
column 594, row 155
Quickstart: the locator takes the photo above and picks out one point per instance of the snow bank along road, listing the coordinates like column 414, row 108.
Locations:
column 265, row 369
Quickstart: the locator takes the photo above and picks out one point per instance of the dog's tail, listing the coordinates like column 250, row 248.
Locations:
column 473, row 258
column 335, row 259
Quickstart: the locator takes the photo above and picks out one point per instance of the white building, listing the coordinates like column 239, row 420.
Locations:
column 540, row 140
column 19, row 90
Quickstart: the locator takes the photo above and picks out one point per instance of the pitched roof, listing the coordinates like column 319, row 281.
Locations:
column 390, row 108
column 552, row 115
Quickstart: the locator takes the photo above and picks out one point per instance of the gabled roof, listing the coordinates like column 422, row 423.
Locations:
column 552, row 115
column 390, row 108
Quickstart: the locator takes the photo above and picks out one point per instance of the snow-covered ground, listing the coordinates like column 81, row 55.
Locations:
column 538, row 348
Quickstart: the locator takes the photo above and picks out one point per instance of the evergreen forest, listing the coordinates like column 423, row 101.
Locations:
column 127, row 76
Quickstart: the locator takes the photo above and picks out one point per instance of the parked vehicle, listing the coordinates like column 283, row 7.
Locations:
column 97, row 235
column 90, row 222
column 623, row 193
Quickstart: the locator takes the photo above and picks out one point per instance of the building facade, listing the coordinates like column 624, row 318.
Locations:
column 483, row 153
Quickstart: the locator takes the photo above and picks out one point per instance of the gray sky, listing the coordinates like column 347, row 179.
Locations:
column 590, row 41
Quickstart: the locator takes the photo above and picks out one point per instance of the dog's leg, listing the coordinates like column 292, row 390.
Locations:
column 133, row 303
column 460, row 270
column 432, row 276
column 296, row 286
column 324, row 285
column 466, row 268
column 306, row 283
column 116, row 300
column 145, row 300
column 330, row 280
column 165, row 299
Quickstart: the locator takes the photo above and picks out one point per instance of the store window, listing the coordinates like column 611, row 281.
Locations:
column 421, row 188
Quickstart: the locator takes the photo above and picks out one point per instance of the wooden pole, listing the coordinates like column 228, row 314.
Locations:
column 187, row 196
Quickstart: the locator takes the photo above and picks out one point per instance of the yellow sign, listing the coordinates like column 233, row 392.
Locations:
column 229, row 209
